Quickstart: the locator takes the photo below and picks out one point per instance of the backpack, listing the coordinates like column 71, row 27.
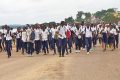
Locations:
column 32, row 35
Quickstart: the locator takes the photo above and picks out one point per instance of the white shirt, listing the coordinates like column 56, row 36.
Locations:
column 53, row 32
column 37, row 34
column 113, row 31
column 18, row 35
column 44, row 35
column 5, row 32
column 94, row 29
column 62, row 31
column 83, row 29
column 104, row 30
column 73, row 28
column 88, row 32
column 100, row 29
column 24, row 36
column 8, row 36
column 28, row 34
column 77, row 32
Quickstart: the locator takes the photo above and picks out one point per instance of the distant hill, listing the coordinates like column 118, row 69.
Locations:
column 14, row 26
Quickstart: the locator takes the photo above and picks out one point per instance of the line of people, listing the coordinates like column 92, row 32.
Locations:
column 60, row 38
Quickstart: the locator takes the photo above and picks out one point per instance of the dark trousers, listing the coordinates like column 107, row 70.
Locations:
column 88, row 41
column 69, row 42
column 24, row 47
column 78, row 43
column 4, row 43
column 30, row 48
column 83, row 41
column 62, row 45
column 8, row 47
column 0, row 45
column 57, row 44
column 45, row 46
column 94, row 39
column 18, row 44
column 37, row 46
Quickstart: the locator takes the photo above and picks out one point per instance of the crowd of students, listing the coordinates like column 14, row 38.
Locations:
column 61, row 38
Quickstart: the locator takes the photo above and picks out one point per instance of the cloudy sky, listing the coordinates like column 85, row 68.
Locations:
column 38, row 11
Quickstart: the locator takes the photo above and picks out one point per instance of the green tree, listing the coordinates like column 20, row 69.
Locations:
column 110, row 18
column 69, row 20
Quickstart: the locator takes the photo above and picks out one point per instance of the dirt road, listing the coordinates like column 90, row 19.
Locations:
column 96, row 66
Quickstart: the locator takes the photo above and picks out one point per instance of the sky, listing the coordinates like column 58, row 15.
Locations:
column 40, row 11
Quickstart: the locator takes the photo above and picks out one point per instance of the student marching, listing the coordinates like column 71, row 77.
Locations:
column 62, row 38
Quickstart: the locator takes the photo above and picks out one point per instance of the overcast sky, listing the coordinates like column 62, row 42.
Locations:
column 38, row 11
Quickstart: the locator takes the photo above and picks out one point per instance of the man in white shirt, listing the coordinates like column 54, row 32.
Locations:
column 62, row 39
column 18, row 40
column 53, row 40
column 44, row 35
column 94, row 33
column 78, row 38
column 30, row 42
column 24, row 40
column 37, row 40
column 8, row 42
column 83, row 35
column 88, row 38
column 117, row 31
column 4, row 31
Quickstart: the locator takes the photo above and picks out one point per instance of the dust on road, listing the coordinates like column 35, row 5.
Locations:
column 96, row 66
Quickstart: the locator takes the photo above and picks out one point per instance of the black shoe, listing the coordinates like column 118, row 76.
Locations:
column 70, row 51
column 37, row 52
column 8, row 56
column 45, row 54
column 63, row 56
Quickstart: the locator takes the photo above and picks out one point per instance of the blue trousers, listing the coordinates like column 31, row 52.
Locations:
column 88, row 41
column 45, row 46
column 69, row 42
column 78, row 43
column 62, row 45
column 53, row 42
